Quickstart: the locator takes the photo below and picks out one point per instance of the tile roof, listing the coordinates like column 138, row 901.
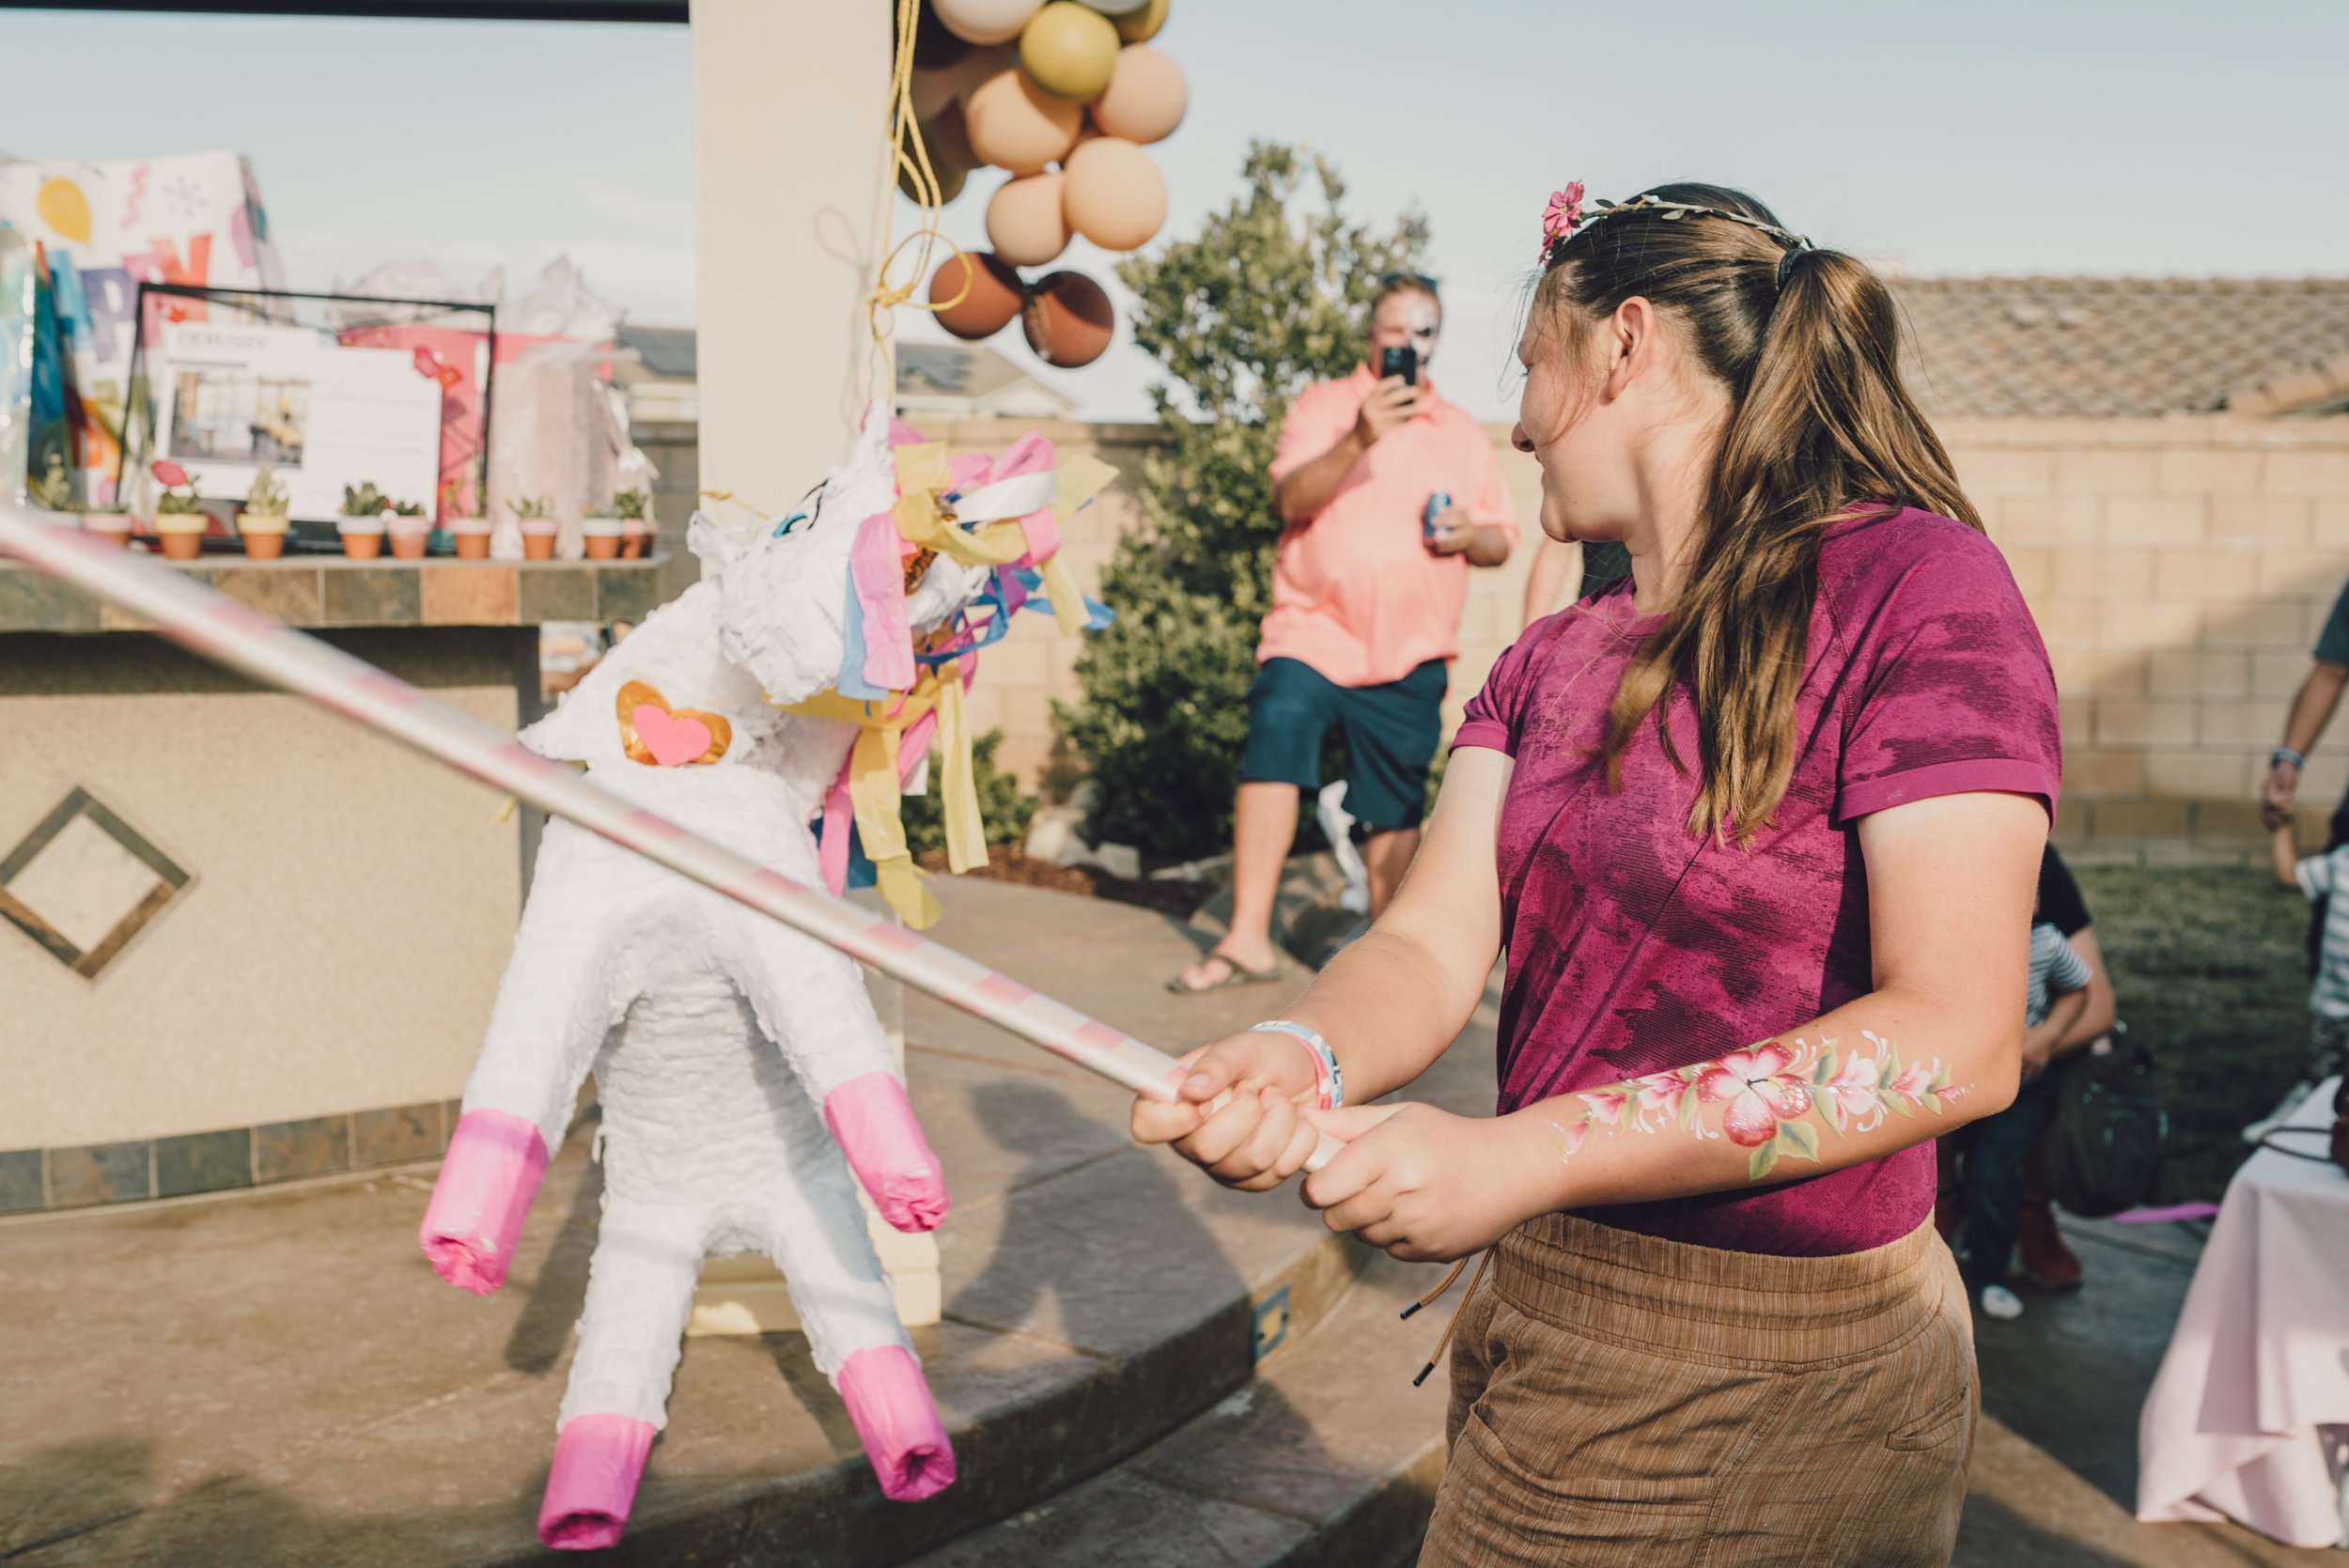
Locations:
column 2111, row 347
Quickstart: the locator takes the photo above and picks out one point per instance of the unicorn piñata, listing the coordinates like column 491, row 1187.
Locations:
column 743, row 1076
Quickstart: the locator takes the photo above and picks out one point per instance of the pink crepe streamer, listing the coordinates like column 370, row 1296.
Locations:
column 877, row 571
column 832, row 853
column 591, row 1488
column 873, row 1121
column 897, row 1420
column 213, row 626
column 2166, row 1215
column 903, row 434
column 968, row 471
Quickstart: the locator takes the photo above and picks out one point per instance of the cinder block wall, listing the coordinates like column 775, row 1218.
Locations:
column 2180, row 570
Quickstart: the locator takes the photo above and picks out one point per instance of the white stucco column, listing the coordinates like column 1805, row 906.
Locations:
column 791, row 189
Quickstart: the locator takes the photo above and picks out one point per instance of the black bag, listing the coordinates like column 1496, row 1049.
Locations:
column 2102, row 1145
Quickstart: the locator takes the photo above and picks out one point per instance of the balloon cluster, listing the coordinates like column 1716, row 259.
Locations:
column 1063, row 96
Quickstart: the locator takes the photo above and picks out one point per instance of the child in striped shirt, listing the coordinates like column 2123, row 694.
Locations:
column 2053, row 993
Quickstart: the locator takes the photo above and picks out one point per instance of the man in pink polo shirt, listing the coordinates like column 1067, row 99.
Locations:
column 1367, row 589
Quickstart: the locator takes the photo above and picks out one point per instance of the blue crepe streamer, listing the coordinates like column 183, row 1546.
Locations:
column 852, row 682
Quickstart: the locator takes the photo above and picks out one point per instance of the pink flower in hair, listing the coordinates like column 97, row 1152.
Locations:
column 1563, row 212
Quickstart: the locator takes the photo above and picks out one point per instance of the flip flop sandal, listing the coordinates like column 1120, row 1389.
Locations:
column 1239, row 976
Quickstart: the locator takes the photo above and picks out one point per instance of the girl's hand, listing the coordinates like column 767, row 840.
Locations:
column 1424, row 1184
column 1259, row 1139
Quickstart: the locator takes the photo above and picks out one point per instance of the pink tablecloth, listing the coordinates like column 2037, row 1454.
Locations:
column 2259, row 1362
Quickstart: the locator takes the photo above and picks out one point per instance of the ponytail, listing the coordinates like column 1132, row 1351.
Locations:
column 1820, row 431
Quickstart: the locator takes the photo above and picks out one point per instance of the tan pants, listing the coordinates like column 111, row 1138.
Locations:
column 1618, row 1399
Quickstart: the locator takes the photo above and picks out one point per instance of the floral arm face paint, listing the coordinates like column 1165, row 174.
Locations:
column 1772, row 1100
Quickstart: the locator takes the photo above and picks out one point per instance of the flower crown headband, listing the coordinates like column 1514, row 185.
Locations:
column 1564, row 216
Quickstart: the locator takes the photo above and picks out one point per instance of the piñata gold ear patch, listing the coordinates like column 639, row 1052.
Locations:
column 653, row 733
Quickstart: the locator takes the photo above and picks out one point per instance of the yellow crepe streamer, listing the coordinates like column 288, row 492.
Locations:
column 876, row 792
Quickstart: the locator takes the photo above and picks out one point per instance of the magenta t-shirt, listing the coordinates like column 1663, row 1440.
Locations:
column 1635, row 948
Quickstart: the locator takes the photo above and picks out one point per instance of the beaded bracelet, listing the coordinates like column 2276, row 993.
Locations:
column 1332, row 1081
column 2285, row 753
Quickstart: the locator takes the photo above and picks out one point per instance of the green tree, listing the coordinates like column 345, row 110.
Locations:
column 1270, row 297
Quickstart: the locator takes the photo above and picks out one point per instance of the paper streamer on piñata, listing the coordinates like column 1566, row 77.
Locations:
column 998, row 514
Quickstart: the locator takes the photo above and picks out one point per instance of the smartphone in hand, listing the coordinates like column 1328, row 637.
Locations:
column 1402, row 362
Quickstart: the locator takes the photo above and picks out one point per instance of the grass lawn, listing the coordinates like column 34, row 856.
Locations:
column 2210, row 967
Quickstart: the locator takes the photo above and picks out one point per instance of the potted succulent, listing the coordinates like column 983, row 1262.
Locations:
column 180, row 517
column 466, row 528
column 262, row 518
column 110, row 523
column 361, row 523
column 409, row 529
column 635, row 508
column 535, row 513
column 600, row 528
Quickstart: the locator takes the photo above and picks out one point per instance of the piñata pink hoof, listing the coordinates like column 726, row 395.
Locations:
column 897, row 1420
column 597, row 1461
column 495, row 1166
column 873, row 1121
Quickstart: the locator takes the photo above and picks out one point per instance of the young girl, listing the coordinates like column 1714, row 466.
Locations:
column 1759, row 830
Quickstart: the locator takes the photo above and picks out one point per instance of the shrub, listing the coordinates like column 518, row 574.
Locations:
column 1262, row 303
column 1002, row 806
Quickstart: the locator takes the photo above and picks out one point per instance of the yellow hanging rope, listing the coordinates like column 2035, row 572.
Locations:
column 910, row 158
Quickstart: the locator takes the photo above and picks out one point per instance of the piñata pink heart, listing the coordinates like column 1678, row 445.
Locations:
column 673, row 741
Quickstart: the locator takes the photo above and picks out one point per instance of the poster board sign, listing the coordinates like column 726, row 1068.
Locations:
column 234, row 396
column 104, row 228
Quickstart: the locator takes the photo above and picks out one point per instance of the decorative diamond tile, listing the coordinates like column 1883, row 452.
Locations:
column 84, row 882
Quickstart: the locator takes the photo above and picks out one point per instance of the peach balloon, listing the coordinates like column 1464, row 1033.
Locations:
column 1116, row 195
column 1069, row 319
column 1016, row 125
column 994, row 296
column 985, row 21
column 1142, row 26
column 1146, row 98
column 1071, row 50
column 1025, row 221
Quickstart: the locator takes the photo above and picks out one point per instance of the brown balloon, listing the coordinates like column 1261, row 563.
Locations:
column 1069, row 319
column 986, row 307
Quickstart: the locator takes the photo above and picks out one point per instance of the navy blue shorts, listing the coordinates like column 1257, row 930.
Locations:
column 1391, row 732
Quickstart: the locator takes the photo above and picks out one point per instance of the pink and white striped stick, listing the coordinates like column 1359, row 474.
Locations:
column 210, row 624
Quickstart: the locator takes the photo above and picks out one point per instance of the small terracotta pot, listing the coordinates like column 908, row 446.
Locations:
column 180, row 546
column 362, row 547
column 538, row 547
column 632, row 536
column 264, row 547
column 110, row 526
column 472, row 546
column 603, row 547
column 410, row 546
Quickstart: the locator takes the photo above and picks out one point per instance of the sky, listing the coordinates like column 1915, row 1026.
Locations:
column 2138, row 137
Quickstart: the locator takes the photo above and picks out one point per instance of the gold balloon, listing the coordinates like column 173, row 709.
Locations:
column 1070, row 49
column 1141, row 26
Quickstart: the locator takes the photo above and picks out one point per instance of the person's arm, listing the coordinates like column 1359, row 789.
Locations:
column 1305, row 490
column 1554, row 564
column 1936, row 1045
column 2312, row 711
column 2043, row 1042
column 2283, row 854
column 1459, row 533
column 1389, row 1003
column 2098, row 1005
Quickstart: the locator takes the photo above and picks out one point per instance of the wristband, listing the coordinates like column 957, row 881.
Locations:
column 2285, row 753
column 1332, row 1081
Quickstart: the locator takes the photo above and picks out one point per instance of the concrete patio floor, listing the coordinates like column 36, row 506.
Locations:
column 278, row 1378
